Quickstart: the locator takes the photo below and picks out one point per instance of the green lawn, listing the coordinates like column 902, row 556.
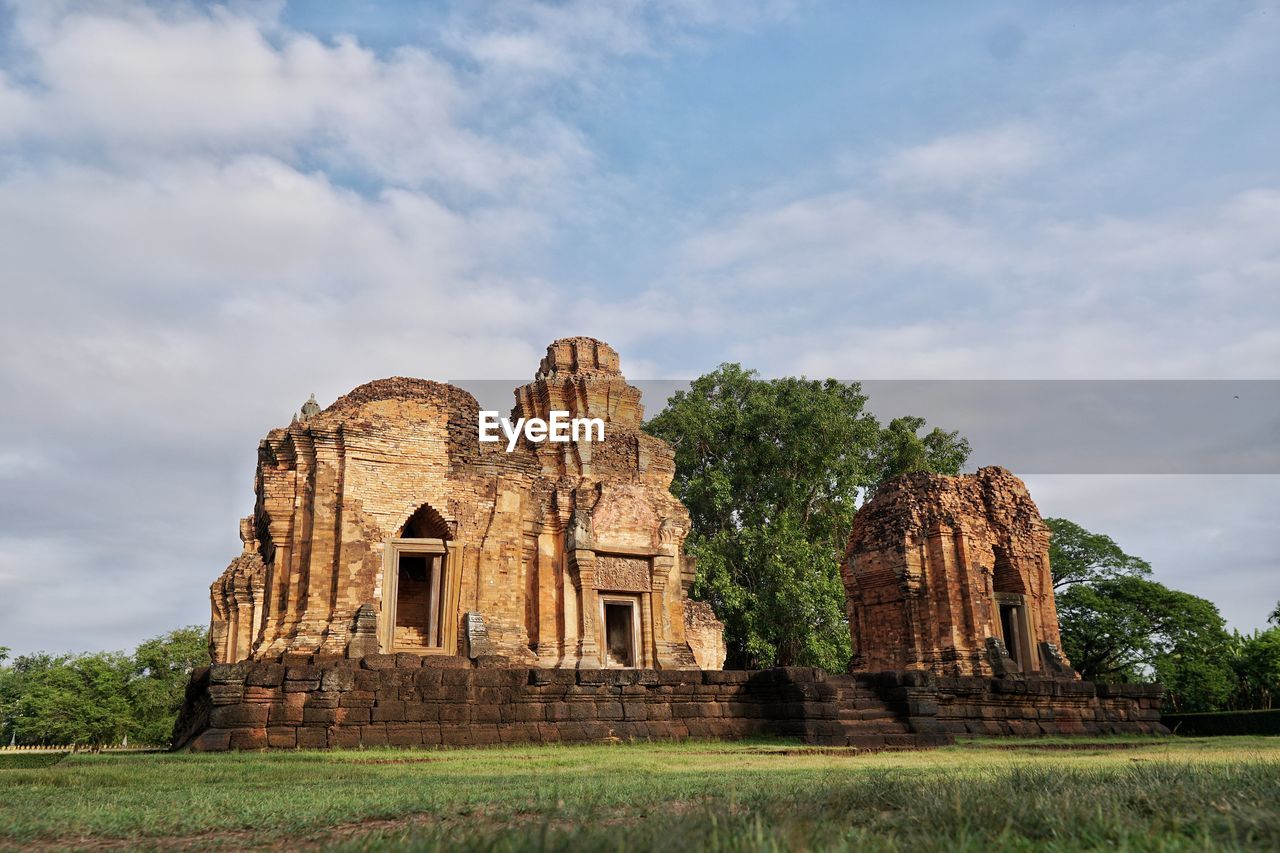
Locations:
column 1134, row 793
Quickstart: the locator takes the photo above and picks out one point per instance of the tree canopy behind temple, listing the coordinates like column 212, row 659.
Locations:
column 100, row 698
column 1076, row 554
column 1119, row 625
column 771, row 471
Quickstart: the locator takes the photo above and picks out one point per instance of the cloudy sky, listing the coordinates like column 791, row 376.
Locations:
column 208, row 212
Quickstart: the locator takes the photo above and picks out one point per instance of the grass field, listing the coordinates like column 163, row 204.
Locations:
column 1132, row 793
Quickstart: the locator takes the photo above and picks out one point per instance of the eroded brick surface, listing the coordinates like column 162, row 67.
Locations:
column 933, row 559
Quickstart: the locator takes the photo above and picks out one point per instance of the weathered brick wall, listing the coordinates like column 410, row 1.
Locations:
column 335, row 489
column 1015, row 705
column 928, row 560
column 411, row 701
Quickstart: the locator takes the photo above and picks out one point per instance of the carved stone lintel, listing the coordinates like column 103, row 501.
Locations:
column 623, row 574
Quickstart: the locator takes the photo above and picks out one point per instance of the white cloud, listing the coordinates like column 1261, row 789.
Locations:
column 978, row 159
column 1183, row 53
column 513, row 39
column 136, row 84
column 838, row 236
column 1224, row 545
column 1181, row 294
column 187, row 282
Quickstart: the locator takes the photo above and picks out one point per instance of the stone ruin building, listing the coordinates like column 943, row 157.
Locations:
column 383, row 524
column 951, row 575
column 404, row 584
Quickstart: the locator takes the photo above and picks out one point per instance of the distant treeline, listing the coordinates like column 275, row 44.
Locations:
column 99, row 698
column 1120, row 625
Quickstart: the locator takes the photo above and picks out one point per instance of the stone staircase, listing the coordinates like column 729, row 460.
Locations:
column 872, row 715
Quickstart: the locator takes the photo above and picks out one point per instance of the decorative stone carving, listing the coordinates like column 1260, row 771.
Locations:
column 617, row 573
column 623, row 517
column 998, row 657
column 248, row 535
column 1054, row 663
column 477, row 635
column 579, row 531
column 237, row 597
column 669, row 532
column 364, row 632
column 705, row 634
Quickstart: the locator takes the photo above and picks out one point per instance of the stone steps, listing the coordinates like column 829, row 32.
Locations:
column 867, row 711
column 867, row 720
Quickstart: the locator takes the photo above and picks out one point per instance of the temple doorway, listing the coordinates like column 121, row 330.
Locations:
column 1011, row 605
column 1010, row 621
column 420, row 587
column 419, row 601
column 621, row 627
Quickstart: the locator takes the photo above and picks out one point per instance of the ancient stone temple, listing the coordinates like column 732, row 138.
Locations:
column 951, row 575
column 405, row 584
column 384, row 525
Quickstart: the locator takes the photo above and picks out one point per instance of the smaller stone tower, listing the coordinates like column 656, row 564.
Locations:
column 951, row 575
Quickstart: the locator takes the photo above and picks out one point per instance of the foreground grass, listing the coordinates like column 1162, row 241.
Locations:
column 1139, row 794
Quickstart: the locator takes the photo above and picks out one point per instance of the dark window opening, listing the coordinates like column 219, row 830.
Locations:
column 413, row 568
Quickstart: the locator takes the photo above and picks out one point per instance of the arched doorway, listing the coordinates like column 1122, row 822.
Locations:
column 425, row 523
column 420, row 587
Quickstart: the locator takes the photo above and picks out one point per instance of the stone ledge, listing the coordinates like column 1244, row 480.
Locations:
column 385, row 700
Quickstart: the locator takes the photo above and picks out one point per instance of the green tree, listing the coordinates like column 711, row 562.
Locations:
column 771, row 472
column 1118, row 624
column 7, row 691
column 1194, row 663
column 1256, row 662
column 902, row 450
column 1077, row 555
column 1127, row 627
column 100, row 698
column 66, row 699
column 161, row 669
column 1274, row 618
